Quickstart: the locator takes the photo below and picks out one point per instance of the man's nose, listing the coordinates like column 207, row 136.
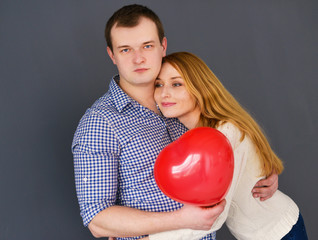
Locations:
column 139, row 57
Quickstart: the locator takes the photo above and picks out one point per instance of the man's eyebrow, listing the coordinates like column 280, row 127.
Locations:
column 123, row 46
column 151, row 41
column 127, row 46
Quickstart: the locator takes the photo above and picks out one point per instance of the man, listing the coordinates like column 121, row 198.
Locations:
column 120, row 136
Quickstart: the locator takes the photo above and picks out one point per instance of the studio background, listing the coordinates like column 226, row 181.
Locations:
column 54, row 65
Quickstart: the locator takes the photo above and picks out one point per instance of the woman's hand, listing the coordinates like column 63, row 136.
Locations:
column 265, row 188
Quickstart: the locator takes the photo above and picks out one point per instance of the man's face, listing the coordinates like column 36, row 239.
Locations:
column 137, row 52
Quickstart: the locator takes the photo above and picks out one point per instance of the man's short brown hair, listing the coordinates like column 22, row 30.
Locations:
column 129, row 16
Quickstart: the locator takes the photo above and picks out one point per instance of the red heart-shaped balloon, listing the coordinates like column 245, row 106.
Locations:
column 197, row 168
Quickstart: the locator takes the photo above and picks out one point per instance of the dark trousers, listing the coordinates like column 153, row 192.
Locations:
column 298, row 232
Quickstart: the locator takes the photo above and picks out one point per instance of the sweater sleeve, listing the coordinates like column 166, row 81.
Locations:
column 234, row 135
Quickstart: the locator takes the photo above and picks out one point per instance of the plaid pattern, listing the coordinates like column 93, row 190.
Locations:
column 114, row 148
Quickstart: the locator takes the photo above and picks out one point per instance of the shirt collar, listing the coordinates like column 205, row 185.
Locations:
column 120, row 98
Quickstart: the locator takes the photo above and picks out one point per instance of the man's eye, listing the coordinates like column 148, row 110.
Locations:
column 148, row 46
column 125, row 50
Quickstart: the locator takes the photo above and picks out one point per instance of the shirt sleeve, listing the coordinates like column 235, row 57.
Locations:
column 95, row 153
column 234, row 136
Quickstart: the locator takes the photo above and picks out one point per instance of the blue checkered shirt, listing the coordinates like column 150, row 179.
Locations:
column 115, row 147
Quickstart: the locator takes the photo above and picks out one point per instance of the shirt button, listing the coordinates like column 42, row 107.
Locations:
column 85, row 179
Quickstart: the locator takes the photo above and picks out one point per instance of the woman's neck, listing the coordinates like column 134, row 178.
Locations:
column 191, row 119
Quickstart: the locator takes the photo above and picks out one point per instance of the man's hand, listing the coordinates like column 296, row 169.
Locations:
column 265, row 188
column 200, row 218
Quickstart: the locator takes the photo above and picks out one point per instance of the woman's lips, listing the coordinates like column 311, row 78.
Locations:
column 167, row 104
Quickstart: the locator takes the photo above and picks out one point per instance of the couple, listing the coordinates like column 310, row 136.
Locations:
column 119, row 137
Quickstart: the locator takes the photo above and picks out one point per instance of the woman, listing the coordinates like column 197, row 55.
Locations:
column 188, row 90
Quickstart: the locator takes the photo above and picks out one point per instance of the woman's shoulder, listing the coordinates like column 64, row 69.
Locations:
column 229, row 127
column 231, row 131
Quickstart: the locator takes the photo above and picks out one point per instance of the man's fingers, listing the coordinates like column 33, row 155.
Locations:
column 265, row 188
column 264, row 192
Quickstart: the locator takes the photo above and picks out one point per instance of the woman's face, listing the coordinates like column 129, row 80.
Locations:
column 173, row 98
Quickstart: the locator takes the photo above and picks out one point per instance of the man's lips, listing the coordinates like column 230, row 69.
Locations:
column 167, row 104
column 140, row 70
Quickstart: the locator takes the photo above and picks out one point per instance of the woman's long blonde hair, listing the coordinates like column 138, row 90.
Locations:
column 218, row 105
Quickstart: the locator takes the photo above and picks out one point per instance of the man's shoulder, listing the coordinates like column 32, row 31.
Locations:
column 104, row 102
column 98, row 113
column 104, row 106
column 175, row 128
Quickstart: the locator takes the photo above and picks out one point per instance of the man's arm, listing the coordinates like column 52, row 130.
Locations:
column 265, row 188
column 95, row 164
column 120, row 221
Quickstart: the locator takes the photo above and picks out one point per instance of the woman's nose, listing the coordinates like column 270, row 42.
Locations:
column 165, row 92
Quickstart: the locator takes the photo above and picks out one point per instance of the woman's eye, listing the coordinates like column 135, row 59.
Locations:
column 176, row 84
column 157, row 85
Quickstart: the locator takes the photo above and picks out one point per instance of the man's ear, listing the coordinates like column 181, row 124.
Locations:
column 111, row 55
column 164, row 46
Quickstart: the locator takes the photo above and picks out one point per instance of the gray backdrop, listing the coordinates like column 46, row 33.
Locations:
column 53, row 65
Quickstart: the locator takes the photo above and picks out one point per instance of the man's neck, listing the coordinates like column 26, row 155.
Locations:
column 143, row 94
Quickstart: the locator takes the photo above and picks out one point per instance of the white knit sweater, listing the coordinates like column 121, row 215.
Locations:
column 246, row 217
